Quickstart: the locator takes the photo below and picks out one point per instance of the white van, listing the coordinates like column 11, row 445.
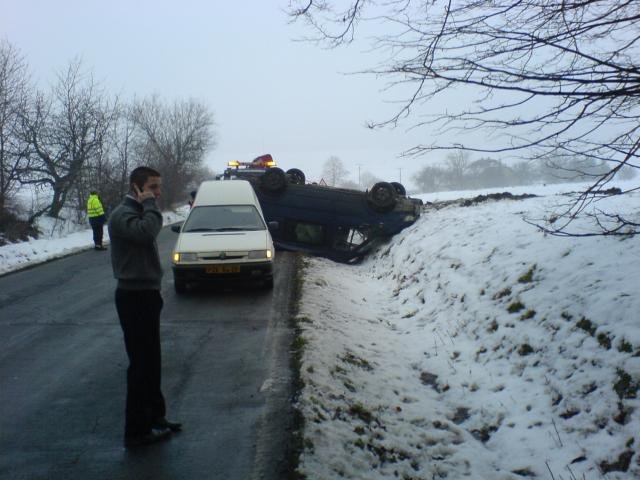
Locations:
column 225, row 236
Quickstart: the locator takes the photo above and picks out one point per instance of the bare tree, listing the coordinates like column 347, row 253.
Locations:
column 107, row 172
column 14, row 95
column 429, row 179
column 334, row 171
column 457, row 165
column 544, row 78
column 174, row 139
column 368, row 179
column 64, row 130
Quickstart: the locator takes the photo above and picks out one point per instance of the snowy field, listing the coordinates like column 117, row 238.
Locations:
column 475, row 346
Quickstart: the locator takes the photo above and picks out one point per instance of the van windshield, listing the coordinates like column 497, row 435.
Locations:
column 223, row 218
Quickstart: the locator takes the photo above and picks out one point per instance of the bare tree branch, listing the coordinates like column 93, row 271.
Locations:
column 544, row 78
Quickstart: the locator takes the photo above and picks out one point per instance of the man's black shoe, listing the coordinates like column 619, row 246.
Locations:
column 99, row 247
column 164, row 423
column 154, row 436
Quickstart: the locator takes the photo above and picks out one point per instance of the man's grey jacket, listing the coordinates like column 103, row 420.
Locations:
column 133, row 228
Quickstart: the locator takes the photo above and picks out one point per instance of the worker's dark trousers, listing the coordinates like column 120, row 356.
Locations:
column 97, row 225
column 139, row 312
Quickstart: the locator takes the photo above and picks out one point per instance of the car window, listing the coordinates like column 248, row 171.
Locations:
column 212, row 218
column 306, row 232
column 350, row 238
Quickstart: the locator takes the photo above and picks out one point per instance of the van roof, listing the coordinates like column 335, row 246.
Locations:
column 225, row 192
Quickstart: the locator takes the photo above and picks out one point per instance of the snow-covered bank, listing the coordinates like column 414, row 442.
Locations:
column 474, row 346
column 58, row 239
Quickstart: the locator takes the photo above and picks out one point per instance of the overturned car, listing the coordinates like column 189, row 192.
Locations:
column 340, row 224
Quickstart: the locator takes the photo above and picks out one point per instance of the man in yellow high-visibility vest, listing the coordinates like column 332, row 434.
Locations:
column 97, row 219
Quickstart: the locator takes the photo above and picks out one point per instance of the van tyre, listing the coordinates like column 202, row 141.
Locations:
column 399, row 188
column 296, row 176
column 382, row 197
column 273, row 180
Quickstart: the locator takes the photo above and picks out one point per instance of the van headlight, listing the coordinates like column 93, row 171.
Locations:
column 184, row 257
column 256, row 254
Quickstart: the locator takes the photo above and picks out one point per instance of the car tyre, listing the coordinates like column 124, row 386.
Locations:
column 399, row 188
column 296, row 176
column 273, row 180
column 180, row 286
column 268, row 283
column 382, row 197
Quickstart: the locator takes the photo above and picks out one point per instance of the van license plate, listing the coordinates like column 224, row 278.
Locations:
column 223, row 269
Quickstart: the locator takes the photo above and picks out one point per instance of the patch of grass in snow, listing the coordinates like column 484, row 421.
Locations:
column 480, row 351
column 586, row 325
column 303, row 319
column 338, row 370
column 387, row 455
column 525, row 349
column 431, row 380
column 604, row 340
column 484, row 433
column 528, row 314
column 625, row 387
column 527, row 277
column 502, row 293
column 363, row 413
column 621, row 464
column 567, row 316
column 357, row 361
column 515, row 306
column 625, row 346
column 569, row 414
column 524, row 472
column 460, row 415
column 349, row 385
column 298, row 344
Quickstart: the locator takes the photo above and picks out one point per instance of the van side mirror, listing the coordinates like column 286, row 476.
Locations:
column 273, row 225
column 176, row 227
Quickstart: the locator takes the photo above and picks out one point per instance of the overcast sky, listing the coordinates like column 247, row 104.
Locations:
column 269, row 93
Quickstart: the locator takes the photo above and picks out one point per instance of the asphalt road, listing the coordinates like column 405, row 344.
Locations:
column 226, row 376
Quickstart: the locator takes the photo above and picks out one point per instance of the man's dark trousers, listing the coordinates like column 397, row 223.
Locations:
column 139, row 312
column 97, row 225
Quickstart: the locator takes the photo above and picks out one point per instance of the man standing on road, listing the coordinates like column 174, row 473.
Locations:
column 133, row 228
column 95, row 212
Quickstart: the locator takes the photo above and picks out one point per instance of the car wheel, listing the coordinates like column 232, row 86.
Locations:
column 296, row 176
column 382, row 197
column 399, row 188
column 268, row 283
column 180, row 286
column 273, row 180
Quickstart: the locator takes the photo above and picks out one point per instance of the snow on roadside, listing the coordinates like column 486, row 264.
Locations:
column 474, row 346
column 58, row 239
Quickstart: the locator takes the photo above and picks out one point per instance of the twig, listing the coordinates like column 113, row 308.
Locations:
column 557, row 433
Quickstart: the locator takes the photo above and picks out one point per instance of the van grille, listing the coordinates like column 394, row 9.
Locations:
column 223, row 255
